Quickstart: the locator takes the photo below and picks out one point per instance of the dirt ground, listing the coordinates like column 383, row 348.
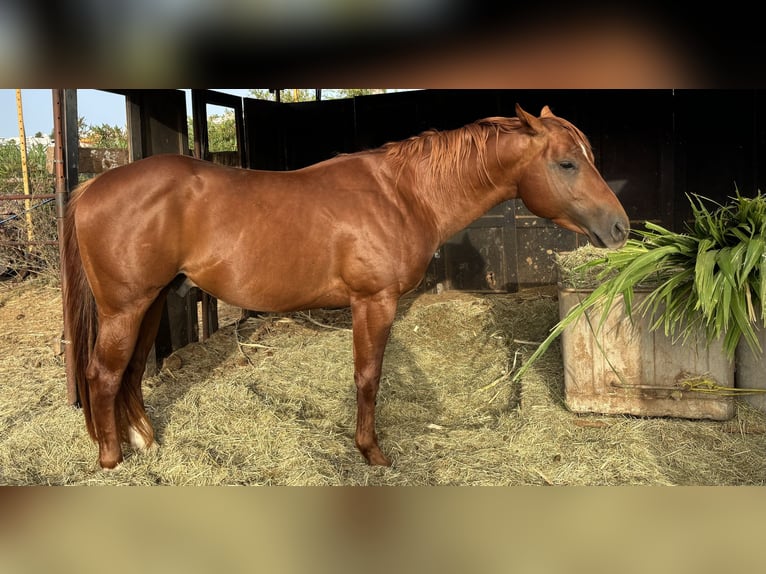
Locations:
column 270, row 401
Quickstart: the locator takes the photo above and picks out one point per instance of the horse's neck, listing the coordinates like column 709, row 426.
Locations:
column 453, row 200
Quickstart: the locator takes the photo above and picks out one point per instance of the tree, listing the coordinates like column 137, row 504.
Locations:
column 102, row 136
column 221, row 132
column 304, row 95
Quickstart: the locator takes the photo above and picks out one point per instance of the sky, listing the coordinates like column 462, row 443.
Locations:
column 96, row 106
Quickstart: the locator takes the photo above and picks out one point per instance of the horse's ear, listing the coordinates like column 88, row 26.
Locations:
column 531, row 122
column 546, row 113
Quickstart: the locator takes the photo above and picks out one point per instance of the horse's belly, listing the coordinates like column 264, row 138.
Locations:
column 270, row 301
column 265, row 290
column 300, row 267
column 294, row 299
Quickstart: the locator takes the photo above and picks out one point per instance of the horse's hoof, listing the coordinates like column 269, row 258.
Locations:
column 377, row 458
column 110, row 466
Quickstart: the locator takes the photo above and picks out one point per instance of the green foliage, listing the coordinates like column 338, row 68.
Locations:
column 221, row 132
column 290, row 95
column 105, row 136
column 102, row 136
column 304, row 95
column 713, row 277
column 10, row 168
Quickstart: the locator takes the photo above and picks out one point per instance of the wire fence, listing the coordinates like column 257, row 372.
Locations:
column 28, row 233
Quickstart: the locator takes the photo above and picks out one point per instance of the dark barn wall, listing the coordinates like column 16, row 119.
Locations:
column 652, row 147
column 719, row 137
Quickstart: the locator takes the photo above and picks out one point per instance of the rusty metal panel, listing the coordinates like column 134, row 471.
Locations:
column 751, row 368
column 506, row 249
column 92, row 160
column 474, row 260
column 536, row 242
column 625, row 368
column 535, row 253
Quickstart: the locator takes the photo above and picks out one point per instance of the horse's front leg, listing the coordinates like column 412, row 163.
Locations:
column 372, row 318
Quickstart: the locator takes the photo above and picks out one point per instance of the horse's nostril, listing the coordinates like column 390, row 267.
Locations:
column 619, row 231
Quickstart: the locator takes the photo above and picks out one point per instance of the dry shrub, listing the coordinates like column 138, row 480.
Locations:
column 21, row 221
column 270, row 401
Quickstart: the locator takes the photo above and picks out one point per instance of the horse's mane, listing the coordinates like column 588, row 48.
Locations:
column 443, row 158
column 447, row 152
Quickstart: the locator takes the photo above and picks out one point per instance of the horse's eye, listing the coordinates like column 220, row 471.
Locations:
column 566, row 165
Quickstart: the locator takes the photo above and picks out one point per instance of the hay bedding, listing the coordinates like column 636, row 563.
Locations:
column 271, row 402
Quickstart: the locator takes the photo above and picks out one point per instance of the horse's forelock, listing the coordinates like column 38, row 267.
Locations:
column 580, row 139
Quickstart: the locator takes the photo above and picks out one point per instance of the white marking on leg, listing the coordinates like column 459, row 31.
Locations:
column 137, row 440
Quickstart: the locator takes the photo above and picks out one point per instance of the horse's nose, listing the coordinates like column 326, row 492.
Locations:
column 620, row 231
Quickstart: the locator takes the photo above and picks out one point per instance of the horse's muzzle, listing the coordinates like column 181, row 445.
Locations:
column 612, row 237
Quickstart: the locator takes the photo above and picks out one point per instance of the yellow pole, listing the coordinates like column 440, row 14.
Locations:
column 24, row 168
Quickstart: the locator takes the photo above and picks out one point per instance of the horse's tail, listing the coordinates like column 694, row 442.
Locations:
column 80, row 307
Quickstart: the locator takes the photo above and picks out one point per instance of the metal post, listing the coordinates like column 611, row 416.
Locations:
column 61, row 200
column 24, row 168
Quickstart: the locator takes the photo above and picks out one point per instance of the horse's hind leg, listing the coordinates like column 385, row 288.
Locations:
column 112, row 352
column 372, row 319
column 134, row 423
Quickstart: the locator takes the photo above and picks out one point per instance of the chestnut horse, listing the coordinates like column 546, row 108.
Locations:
column 356, row 230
